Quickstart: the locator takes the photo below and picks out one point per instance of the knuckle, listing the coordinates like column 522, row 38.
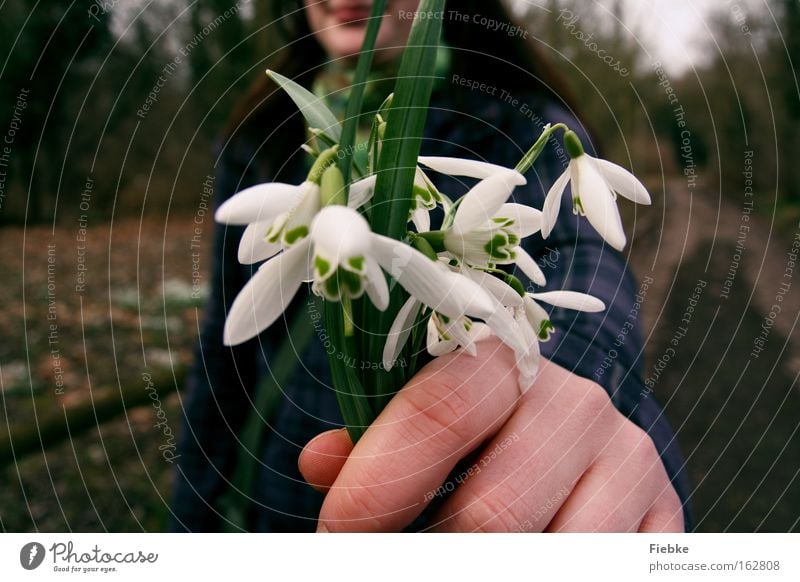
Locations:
column 594, row 402
column 643, row 452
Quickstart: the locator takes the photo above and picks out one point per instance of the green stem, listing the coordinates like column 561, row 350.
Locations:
column 530, row 157
column 397, row 164
column 353, row 111
column 406, row 122
column 354, row 404
column 353, row 401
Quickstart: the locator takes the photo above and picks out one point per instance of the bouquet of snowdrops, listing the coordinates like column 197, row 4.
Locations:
column 362, row 237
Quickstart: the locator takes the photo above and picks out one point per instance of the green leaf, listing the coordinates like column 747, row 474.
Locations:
column 313, row 109
column 353, row 113
column 406, row 123
column 394, row 188
column 354, row 401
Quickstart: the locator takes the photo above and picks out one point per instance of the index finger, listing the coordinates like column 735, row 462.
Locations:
column 443, row 414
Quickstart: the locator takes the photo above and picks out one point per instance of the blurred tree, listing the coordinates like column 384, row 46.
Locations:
column 791, row 32
column 47, row 49
column 787, row 77
column 222, row 53
column 591, row 45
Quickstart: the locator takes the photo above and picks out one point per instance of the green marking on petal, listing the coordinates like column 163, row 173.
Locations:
column 331, row 288
column 322, row 266
column 503, row 222
column 545, row 330
column 357, row 263
column 351, row 283
column 577, row 206
column 497, row 247
column 295, row 234
column 341, row 283
column 274, row 234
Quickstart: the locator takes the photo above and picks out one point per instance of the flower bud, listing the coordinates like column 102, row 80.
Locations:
column 324, row 160
column 332, row 187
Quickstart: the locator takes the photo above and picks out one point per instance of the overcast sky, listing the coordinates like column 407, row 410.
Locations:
column 672, row 31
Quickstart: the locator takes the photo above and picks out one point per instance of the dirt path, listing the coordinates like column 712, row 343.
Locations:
column 723, row 314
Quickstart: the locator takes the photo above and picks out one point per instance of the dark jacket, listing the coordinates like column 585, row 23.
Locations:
column 605, row 347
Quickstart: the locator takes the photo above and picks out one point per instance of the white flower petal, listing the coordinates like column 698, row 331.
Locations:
column 527, row 220
column 435, row 344
column 340, row 233
column 266, row 295
column 507, row 329
column 461, row 336
column 598, row 202
column 623, row 182
column 469, row 168
column 535, row 313
column 398, row 334
column 498, row 289
column 480, row 331
column 253, row 247
column 261, row 203
column 528, row 361
column 377, row 288
column 421, row 219
column 552, row 203
column 571, row 300
column 529, row 266
column 431, row 282
column 482, row 202
column 305, row 211
column 361, row 192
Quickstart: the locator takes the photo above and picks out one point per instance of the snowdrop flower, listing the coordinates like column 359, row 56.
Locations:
column 485, row 231
column 595, row 184
column 279, row 215
column 426, row 198
column 532, row 319
column 540, row 320
column 343, row 258
column 445, row 334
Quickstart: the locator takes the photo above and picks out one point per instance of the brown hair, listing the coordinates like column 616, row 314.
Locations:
column 511, row 61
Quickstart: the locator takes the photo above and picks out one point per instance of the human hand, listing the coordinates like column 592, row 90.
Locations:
column 558, row 458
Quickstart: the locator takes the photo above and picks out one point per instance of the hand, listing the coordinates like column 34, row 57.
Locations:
column 559, row 458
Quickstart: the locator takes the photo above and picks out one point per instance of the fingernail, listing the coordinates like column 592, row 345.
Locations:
column 321, row 528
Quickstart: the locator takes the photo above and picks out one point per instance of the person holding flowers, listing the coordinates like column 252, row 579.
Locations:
column 507, row 270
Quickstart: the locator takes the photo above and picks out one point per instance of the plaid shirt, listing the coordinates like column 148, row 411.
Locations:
column 221, row 383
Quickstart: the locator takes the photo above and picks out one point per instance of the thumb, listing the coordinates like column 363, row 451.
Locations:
column 323, row 457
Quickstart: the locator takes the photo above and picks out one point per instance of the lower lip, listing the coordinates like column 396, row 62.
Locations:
column 351, row 15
